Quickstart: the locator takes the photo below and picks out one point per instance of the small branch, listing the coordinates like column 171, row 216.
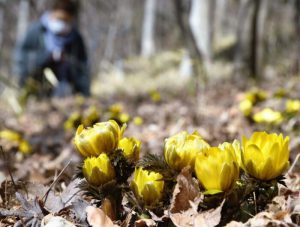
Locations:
column 294, row 164
column 54, row 182
column 255, row 204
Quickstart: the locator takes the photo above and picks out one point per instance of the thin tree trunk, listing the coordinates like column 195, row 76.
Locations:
column 260, row 44
column 186, row 32
column 243, row 44
column 194, row 53
column 297, row 28
column 220, row 12
column 1, row 23
column 148, row 33
column 23, row 18
column 201, row 22
column 253, row 43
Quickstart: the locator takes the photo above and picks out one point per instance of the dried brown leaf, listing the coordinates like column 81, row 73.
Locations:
column 186, row 190
column 235, row 224
column 97, row 218
column 209, row 218
column 145, row 223
column 51, row 220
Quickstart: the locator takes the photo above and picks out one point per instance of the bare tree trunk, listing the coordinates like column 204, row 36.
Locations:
column 249, row 53
column 220, row 12
column 243, row 29
column 201, row 22
column 148, row 33
column 297, row 28
column 23, row 18
column 253, row 45
column 2, row 2
column 260, row 34
column 200, row 75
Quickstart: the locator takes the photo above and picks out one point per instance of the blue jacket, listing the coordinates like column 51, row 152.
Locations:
column 32, row 57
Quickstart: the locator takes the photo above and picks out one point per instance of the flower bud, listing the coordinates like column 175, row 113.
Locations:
column 268, row 116
column 73, row 121
column 131, row 148
column 147, row 186
column 102, row 137
column 265, row 156
column 292, row 106
column 246, row 107
column 217, row 168
column 91, row 116
column 138, row 121
column 181, row 149
column 98, row 170
column 23, row 145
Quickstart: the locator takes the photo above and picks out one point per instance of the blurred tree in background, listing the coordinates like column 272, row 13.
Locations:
column 251, row 35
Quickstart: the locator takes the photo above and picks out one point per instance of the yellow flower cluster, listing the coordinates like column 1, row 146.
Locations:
column 268, row 115
column 263, row 156
column 89, row 117
column 12, row 136
column 95, row 143
column 250, row 99
column 93, row 114
column 116, row 112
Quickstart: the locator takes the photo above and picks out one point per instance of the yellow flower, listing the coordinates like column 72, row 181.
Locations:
column 25, row 147
column 91, row 116
column 268, row 116
column 12, row 136
column 265, row 156
column 115, row 109
column 217, row 168
column 102, row 137
column 131, row 148
column 256, row 95
column 98, row 170
column 138, row 121
column 155, row 96
column 236, row 148
column 73, row 121
column 280, row 93
column 147, row 185
column 246, row 107
column 181, row 149
column 124, row 117
column 292, row 106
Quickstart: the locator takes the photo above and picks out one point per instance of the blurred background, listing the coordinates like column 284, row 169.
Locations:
column 227, row 38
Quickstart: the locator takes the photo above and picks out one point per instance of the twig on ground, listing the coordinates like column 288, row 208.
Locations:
column 54, row 182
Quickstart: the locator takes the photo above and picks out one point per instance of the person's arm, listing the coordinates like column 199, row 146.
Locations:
column 30, row 55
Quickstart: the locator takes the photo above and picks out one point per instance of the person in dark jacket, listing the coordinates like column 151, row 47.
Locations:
column 55, row 44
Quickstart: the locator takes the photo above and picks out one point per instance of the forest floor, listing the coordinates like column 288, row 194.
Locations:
column 42, row 183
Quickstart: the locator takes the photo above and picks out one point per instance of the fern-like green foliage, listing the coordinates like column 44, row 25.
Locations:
column 157, row 163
